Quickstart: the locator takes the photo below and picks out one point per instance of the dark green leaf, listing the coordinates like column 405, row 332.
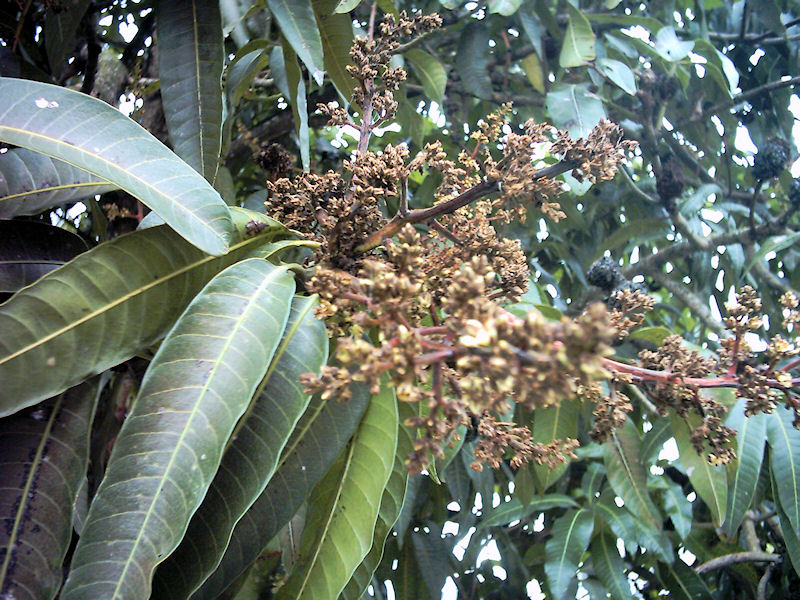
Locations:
column 336, row 32
column 514, row 510
column 678, row 508
column 574, row 108
column 472, row 58
column 571, row 534
column 609, row 566
column 632, row 531
column 430, row 72
column 784, row 441
column 299, row 27
column 61, row 31
column 554, row 423
column 683, row 583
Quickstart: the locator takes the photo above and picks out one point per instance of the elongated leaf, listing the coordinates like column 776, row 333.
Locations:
column 619, row 73
column 44, row 452
column 31, row 182
column 190, row 57
column 791, row 538
column 88, row 315
column 433, row 554
column 299, row 26
column 430, row 72
column 627, row 474
column 784, row 440
column 391, row 504
column 472, row 59
column 571, row 534
column 200, row 382
column 750, row 438
column 343, row 510
column 336, row 32
column 678, row 508
column 552, row 423
column 514, row 510
column 91, row 135
column 683, row 583
column 318, row 439
column 578, row 48
column 504, row 7
column 609, row 566
column 710, row 482
column 295, row 88
column 632, row 531
column 29, row 250
column 592, row 479
column 574, row 108
column 60, row 31
column 251, row 456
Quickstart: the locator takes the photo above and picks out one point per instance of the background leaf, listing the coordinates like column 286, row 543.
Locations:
column 784, row 441
column 619, row 73
column 574, row 108
column 336, row 33
column 430, row 72
column 299, row 27
column 609, row 567
column 578, row 45
column 552, row 423
column 571, row 534
column 471, row 60
column 197, row 386
column 60, row 31
column 750, row 437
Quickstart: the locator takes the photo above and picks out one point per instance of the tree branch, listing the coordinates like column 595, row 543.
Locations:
column 689, row 299
column 737, row 557
column 756, row 91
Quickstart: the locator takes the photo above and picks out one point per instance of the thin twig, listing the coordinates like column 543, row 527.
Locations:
column 761, row 592
column 756, row 91
column 689, row 299
column 735, row 558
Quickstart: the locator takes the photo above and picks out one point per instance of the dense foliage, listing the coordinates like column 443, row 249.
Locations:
column 475, row 299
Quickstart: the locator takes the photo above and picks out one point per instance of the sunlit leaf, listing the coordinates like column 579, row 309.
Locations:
column 299, row 26
column 578, row 45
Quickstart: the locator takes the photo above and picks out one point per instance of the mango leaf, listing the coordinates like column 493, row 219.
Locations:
column 199, row 383
column 504, row 7
column 345, row 6
column 43, row 460
column 683, row 583
column 619, row 73
column 336, row 32
column 609, row 567
column 534, row 72
column 86, row 316
column 391, row 505
column 578, row 46
column 190, row 61
column 29, row 250
column 678, row 508
column 574, row 108
column 670, row 47
column 773, row 244
column 710, row 482
column 791, row 538
column 433, row 554
column 514, row 510
column 430, row 72
column 31, row 182
column 627, row 474
column 784, row 441
column 750, row 438
column 554, row 423
column 472, row 58
column 91, row 135
column 343, row 509
column 299, row 26
column 284, row 65
column 318, row 438
column 654, row 335
column 630, row 530
column 571, row 534
column 251, row 456
column 60, row 32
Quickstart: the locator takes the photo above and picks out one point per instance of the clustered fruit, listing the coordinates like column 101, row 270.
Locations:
column 771, row 159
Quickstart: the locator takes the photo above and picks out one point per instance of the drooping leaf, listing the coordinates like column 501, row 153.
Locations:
column 199, row 383
column 627, row 474
column 609, row 566
column 683, row 583
column 91, row 135
column 251, row 456
column 574, row 108
column 710, row 482
column 190, row 57
column 678, row 508
column 391, row 504
column 632, row 531
column 317, row 440
column 514, row 510
column 432, row 554
column 336, row 32
column 87, row 315
column 571, row 534
column 791, row 538
column 784, row 441
column 430, row 72
column 31, row 182
column 44, row 452
column 619, row 73
column 578, row 45
column 750, row 438
column 504, row 7
column 299, row 27
column 343, row 509
column 554, row 423
column 472, row 58
column 534, row 72
column 296, row 89
column 670, row 46
column 29, row 250
column 60, row 31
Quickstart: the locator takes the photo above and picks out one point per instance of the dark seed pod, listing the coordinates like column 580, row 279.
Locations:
column 670, row 182
column 771, row 159
column 604, row 273
column 275, row 160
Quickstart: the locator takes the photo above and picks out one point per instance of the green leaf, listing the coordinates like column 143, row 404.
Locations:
column 317, row 440
column 627, row 474
column 391, row 505
column 343, row 509
column 554, row 423
column 710, row 482
column 632, row 531
column 750, row 438
column 299, row 26
column 430, row 72
column 30, row 250
column 654, row 335
column 571, row 534
column 678, row 508
column 190, row 61
column 433, row 555
column 650, row 23
column 31, row 182
column 784, row 459
column 345, row 6
column 574, row 108
column 297, row 98
column 472, row 59
column 515, row 510
column 336, row 32
column 87, row 315
column 44, row 452
column 609, row 566
column 241, row 70
column 592, row 479
column 534, row 72
column 61, row 32
column 504, row 7
column 199, row 383
column 773, row 244
column 670, row 47
column 578, row 47
column 251, row 456
column 89, row 134
column 683, row 583
column 791, row 538
column 619, row 73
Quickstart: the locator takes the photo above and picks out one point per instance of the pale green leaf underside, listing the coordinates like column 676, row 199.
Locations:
column 299, row 26
column 197, row 386
column 784, row 441
column 750, row 437
column 91, row 135
column 336, row 32
column 89, row 314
